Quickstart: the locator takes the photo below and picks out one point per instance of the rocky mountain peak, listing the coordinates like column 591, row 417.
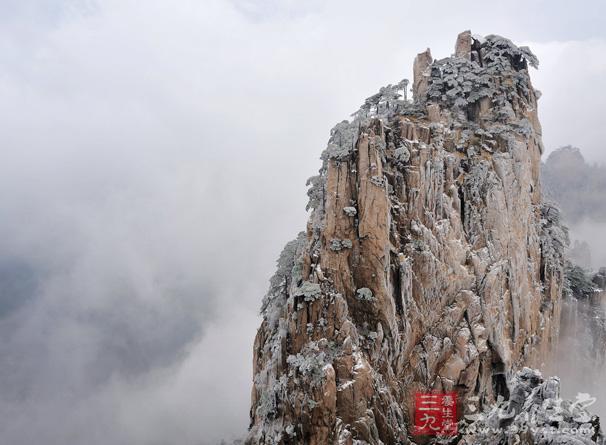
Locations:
column 429, row 263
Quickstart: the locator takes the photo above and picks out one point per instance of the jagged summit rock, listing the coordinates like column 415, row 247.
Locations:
column 429, row 260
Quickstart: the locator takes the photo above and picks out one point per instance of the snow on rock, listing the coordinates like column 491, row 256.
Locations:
column 430, row 262
column 534, row 414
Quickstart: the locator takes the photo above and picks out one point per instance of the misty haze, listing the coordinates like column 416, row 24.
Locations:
column 155, row 157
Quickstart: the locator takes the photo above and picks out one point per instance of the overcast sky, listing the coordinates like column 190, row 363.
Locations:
column 153, row 163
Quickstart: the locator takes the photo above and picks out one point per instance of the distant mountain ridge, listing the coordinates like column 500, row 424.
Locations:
column 577, row 186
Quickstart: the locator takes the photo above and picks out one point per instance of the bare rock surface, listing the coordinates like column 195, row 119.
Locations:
column 429, row 261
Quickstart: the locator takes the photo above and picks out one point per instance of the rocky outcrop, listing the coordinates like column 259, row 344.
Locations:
column 599, row 279
column 535, row 414
column 429, row 261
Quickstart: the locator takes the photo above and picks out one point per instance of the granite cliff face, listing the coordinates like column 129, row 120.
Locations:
column 429, row 260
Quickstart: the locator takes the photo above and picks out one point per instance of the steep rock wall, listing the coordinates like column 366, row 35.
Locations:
column 429, row 260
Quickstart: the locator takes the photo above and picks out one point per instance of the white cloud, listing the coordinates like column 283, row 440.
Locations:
column 572, row 76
